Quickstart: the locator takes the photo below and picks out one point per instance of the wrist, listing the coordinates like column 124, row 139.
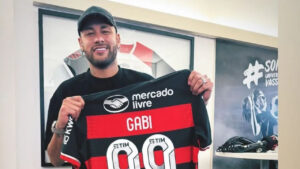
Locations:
column 59, row 126
column 56, row 129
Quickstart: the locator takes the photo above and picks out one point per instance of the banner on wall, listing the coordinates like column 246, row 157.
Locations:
column 246, row 100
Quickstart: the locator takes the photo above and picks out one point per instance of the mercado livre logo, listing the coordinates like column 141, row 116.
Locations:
column 116, row 103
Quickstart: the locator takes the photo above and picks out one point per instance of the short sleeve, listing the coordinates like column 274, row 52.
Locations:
column 202, row 125
column 53, row 110
column 71, row 144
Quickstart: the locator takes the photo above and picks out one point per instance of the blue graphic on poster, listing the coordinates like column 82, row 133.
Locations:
column 246, row 100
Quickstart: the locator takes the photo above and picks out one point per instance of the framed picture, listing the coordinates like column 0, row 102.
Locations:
column 246, row 97
column 143, row 48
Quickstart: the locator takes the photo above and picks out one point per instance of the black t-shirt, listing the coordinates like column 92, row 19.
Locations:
column 85, row 84
column 144, row 125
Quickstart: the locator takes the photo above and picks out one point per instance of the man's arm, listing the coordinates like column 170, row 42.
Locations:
column 71, row 106
column 54, row 149
column 200, row 84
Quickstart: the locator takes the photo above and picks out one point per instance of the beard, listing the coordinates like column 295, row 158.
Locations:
column 102, row 64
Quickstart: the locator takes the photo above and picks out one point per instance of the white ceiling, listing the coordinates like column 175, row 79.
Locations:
column 258, row 16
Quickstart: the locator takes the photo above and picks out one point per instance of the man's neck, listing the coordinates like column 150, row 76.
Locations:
column 110, row 71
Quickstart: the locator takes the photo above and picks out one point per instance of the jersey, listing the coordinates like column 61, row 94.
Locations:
column 85, row 84
column 153, row 124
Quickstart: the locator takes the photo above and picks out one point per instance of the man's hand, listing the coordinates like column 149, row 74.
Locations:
column 70, row 106
column 200, row 84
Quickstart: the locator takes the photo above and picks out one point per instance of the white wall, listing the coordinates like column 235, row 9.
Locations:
column 204, row 62
column 19, row 121
column 256, row 15
column 19, row 103
column 8, row 153
column 289, row 80
column 27, row 103
column 27, row 85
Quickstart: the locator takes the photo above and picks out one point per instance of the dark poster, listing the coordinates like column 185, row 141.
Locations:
column 246, row 100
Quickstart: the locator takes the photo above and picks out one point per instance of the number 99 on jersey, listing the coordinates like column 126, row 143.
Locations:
column 156, row 140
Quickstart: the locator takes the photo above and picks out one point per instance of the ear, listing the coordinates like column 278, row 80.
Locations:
column 80, row 43
column 118, row 40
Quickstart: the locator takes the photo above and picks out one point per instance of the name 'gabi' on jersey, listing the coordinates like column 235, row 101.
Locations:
column 139, row 123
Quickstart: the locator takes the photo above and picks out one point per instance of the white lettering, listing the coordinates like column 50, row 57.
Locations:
column 137, row 104
column 69, row 128
column 158, row 94
column 130, row 126
column 68, row 131
column 139, row 123
column 271, row 65
column 66, row 139
column 165, row 92
column 153, row 94
column 142, row 104
column 121, row 145
column 271, row 75
column 146, row 122
column 271, row 82
column 143, row 96
column 148, row 103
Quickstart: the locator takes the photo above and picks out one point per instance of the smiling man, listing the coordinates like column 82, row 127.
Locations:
column 99, row 42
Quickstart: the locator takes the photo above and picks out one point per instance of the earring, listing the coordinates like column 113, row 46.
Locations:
column 82, row 53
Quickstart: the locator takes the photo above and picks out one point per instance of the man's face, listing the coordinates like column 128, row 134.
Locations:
column 100, row 43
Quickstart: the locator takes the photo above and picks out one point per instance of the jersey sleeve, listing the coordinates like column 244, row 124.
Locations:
column 71, row 144
column 53, row 110
column 202, row 125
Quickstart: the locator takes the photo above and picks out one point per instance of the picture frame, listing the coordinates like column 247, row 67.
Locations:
column 147, row 48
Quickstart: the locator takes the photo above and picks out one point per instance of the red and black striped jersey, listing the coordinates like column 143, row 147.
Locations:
column 153, row 124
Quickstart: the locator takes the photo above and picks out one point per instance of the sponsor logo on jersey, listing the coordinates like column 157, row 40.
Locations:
column 119, row 103
column 69, row 128
column 116, row 103
column 144, row 100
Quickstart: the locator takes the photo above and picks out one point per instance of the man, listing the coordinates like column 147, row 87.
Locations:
column 256, row 112
column 99, row 41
